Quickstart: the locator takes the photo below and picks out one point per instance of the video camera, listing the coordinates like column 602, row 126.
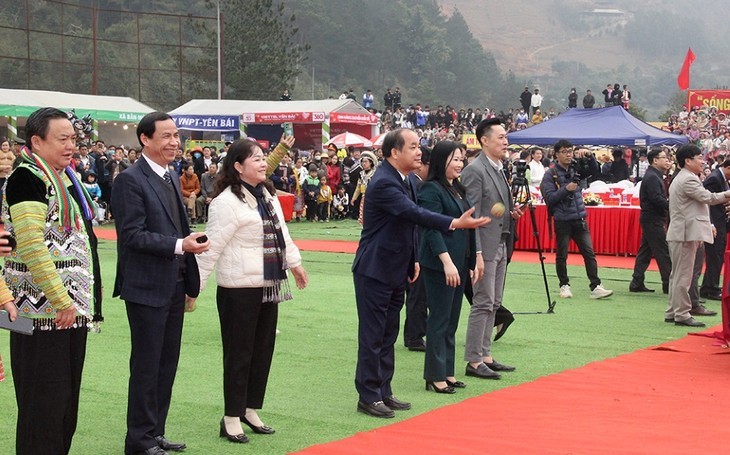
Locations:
column 580, row 168
column 519, row 178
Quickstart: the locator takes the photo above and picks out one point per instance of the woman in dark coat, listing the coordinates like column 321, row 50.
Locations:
column 445, row 261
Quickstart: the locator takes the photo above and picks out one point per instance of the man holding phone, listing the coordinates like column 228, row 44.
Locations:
column 488, row 189
column 156, row 273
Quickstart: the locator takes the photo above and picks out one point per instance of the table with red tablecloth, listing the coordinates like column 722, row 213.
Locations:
column 614, row 230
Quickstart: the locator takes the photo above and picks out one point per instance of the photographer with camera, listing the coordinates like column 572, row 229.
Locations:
column 561, row 192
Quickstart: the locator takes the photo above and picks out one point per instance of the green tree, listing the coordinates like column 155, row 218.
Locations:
column 262, row 53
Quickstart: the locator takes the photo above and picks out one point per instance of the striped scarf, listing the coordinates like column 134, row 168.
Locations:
column 67, row 210
column 276, row 285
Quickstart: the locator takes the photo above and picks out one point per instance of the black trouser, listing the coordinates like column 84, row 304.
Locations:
column 311, row 209
column 248, row 331
column 577, row 230
column 323, row 211
column 714, row 258
column 47, row 368
column 155, row 333
column 414, row 328
column 444, row 305
column 653, row 244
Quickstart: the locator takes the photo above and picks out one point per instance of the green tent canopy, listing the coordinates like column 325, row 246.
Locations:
column 21, row 103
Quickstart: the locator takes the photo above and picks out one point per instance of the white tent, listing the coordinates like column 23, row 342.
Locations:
column 313, row 120
column 110, row 113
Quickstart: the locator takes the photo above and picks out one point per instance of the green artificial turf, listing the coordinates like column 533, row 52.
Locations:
column 311, row 397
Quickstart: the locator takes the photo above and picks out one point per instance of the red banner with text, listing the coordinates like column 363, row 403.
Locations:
column 710, row 98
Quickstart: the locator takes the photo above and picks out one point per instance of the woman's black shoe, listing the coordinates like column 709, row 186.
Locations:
column 456, row 384
column 240, row 438
column 432, row 386
column 263, row 429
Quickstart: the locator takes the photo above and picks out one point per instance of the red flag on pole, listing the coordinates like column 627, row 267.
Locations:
column 683, row 78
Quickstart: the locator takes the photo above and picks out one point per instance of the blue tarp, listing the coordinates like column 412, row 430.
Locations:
column 604, row 126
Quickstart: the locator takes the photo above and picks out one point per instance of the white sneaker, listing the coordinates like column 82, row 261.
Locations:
column 565, row 292
column 600, row 293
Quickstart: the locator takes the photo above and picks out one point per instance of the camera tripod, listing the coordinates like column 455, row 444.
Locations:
column 521, row 195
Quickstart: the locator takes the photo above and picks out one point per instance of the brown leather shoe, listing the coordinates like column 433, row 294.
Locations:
column 701, row 310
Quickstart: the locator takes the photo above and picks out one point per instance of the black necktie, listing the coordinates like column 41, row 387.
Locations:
column 166, row 177
column 407, row 186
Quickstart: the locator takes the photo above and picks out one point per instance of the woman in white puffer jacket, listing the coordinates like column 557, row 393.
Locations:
column 251, row 250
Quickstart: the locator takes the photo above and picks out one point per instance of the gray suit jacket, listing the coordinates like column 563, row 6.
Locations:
column 689, row 212
column 485, row 186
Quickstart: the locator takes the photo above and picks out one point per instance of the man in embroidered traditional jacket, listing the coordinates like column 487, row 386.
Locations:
column 51, row 276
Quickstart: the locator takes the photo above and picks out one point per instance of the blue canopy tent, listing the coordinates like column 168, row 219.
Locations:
column 605, row 126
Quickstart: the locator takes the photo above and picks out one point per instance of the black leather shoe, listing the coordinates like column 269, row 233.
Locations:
column 395, row 404
column 446, row 389
column 641, row 288
column 711, row 296
column 481, row 371
column 456, row 384
column 496, row 366
column 169, row 445
column 263, row 429
column 669, row 320
column 377, row 409
column 701, row 310
column 239, row 438
column 691, row 322
column 417, row 347
column 152, row 451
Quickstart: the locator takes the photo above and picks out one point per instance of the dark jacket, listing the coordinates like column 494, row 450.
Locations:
column 460, row 243
column 564, row 205
column 653, row 197
column 717, row 183
column 387, row 250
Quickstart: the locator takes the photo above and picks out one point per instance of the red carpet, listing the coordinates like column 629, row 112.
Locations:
column 668, row 399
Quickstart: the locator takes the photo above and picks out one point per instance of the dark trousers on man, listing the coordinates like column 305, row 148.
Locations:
column 155, row 334
column 248, row 331
column 576, row 230
column 653, row 244
column 378, row 311
column 414, row 329
column 47, row 369
column 714, row 258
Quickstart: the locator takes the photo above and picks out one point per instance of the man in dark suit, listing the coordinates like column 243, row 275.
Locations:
column 714, row 252
column 156, row 272
column 653, row 219
column 385, row 262
column 414, row 329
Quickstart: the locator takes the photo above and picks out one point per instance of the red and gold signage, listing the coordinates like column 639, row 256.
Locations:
column 710, row 98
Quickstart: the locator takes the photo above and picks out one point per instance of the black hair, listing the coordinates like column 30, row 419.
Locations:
column 535, row 150
column 147, row 124
column 485, row 126
column 38, row 123
column 653, row 153
column 393, row 140
column 228, row 175
column 425, row 155
column 685, row 152
column 562, row 143
column 440, row 159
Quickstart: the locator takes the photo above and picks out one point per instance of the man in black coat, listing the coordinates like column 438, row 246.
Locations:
column 156, row 273
column 526, row 99
column 714, row 252
column 653, row 219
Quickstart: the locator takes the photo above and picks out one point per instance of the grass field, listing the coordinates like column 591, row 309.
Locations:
column 311, row 397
